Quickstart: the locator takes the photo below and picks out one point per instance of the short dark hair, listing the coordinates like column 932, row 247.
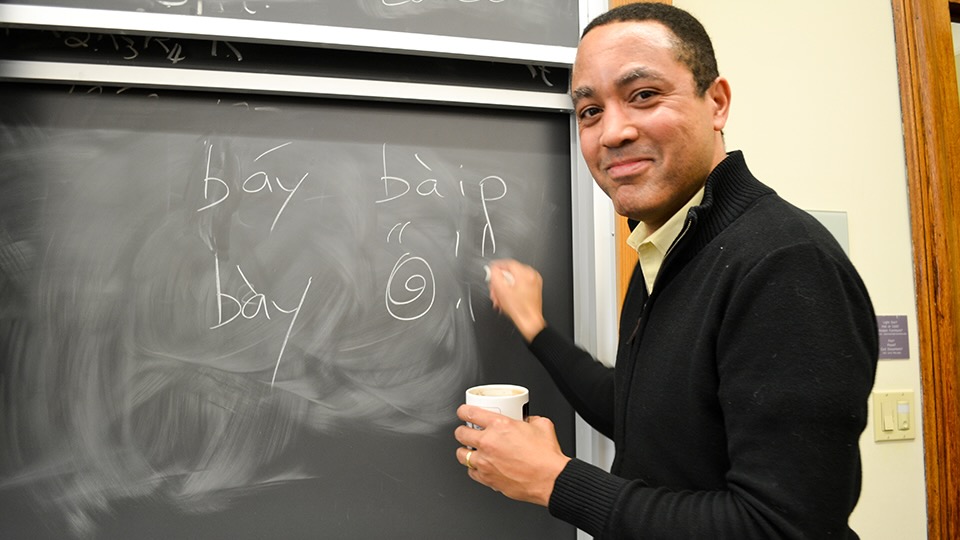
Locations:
column 692, row 44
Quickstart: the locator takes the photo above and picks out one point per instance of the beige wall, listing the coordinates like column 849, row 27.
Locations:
column 816, row 111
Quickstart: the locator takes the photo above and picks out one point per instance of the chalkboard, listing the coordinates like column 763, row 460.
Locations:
column 228, row 316
column 544, row 22
column 156, row 51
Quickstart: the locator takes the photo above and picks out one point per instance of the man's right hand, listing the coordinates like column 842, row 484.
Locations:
column 517, row 291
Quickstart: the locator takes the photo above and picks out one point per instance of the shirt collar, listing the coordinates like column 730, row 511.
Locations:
column 665, row 235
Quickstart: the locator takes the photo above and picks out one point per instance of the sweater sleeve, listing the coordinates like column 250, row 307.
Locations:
column 796, row 356
column 584, row 496
column 585, row 382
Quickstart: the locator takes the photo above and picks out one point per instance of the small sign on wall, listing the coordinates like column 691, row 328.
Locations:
column 836, row 223
column 894, row 342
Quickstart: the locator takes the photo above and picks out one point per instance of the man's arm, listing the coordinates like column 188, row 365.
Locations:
column 517, row 291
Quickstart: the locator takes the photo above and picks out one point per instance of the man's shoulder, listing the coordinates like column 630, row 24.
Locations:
column 773, row 223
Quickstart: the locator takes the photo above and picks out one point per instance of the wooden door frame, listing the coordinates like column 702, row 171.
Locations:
column 931, row 128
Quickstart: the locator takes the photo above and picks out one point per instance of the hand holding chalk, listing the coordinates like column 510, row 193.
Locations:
column 507, row 276
column 518, row 295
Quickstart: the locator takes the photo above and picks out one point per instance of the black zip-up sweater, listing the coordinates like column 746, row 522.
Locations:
column 741, row 383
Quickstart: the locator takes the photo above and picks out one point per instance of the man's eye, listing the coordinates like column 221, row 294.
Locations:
column 644, row 95
column 589, row 112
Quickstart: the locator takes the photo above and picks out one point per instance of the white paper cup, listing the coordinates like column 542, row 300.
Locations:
column 507, row 399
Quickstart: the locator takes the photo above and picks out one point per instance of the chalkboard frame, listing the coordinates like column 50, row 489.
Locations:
column 272, row 83
column 191, row 26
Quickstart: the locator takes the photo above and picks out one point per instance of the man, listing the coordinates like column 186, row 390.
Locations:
column 748, row 342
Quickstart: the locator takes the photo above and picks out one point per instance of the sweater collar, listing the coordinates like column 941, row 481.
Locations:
column 730, row 189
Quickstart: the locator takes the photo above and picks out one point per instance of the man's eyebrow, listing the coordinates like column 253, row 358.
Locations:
column 640, row 73
column 582, row 92
column 637, row 74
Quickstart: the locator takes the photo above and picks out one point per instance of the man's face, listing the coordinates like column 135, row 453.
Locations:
column 648, row 138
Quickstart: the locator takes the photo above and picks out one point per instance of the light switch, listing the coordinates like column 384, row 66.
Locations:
column 886, row 416
column 893, row 415
column 903, row 415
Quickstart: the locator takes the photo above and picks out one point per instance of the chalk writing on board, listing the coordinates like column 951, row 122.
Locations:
column 133, row 48
column 251, row 305
column 542, row 71
column 157, row 51
column 302, row 345
column 389, row 9
column 218, row 306
column 256, row 182
column 544, row 22
column 417, row 288
column 415, row 285
column 252, row 8
column 394, row 3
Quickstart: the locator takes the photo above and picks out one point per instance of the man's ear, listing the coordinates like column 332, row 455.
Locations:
column 719, row 95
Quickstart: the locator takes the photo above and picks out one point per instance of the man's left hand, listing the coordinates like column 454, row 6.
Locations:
column 519, row 459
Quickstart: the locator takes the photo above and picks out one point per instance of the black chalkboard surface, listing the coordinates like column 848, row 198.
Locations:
column 543, row 22
column 228, row 316
column 151, row 51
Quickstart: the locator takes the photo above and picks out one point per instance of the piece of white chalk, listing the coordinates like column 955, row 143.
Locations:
column 507, row 276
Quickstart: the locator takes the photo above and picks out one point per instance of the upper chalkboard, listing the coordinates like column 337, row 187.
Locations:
column 60, row 47
column 242, row 316
column 544, row 22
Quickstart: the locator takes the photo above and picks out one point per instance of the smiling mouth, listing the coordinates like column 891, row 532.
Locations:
column 628, row 168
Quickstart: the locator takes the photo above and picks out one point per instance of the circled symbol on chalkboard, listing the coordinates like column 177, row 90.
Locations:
column 413, row 289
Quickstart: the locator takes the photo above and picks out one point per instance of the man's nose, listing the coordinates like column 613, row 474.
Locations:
column 619, row 127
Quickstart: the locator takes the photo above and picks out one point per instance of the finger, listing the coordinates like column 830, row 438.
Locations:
column 478, row 415
column 468, row 436
column 463, row 454
column 474, row 475
column 543, row 425
column 492, row 291
column 505, row 271
column 499, row 279
column 506, row 264
column 503, row 263
column 477, row 476
column 540, row 421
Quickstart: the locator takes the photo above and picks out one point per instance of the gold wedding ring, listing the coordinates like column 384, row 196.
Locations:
column 466, row 460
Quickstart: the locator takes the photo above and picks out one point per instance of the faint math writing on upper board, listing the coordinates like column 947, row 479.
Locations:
column 543, row 22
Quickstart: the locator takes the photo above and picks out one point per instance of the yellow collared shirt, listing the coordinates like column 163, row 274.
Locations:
column 652, row 248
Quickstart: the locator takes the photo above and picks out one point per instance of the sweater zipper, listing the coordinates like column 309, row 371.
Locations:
column 683, row 232
column 643, row 309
